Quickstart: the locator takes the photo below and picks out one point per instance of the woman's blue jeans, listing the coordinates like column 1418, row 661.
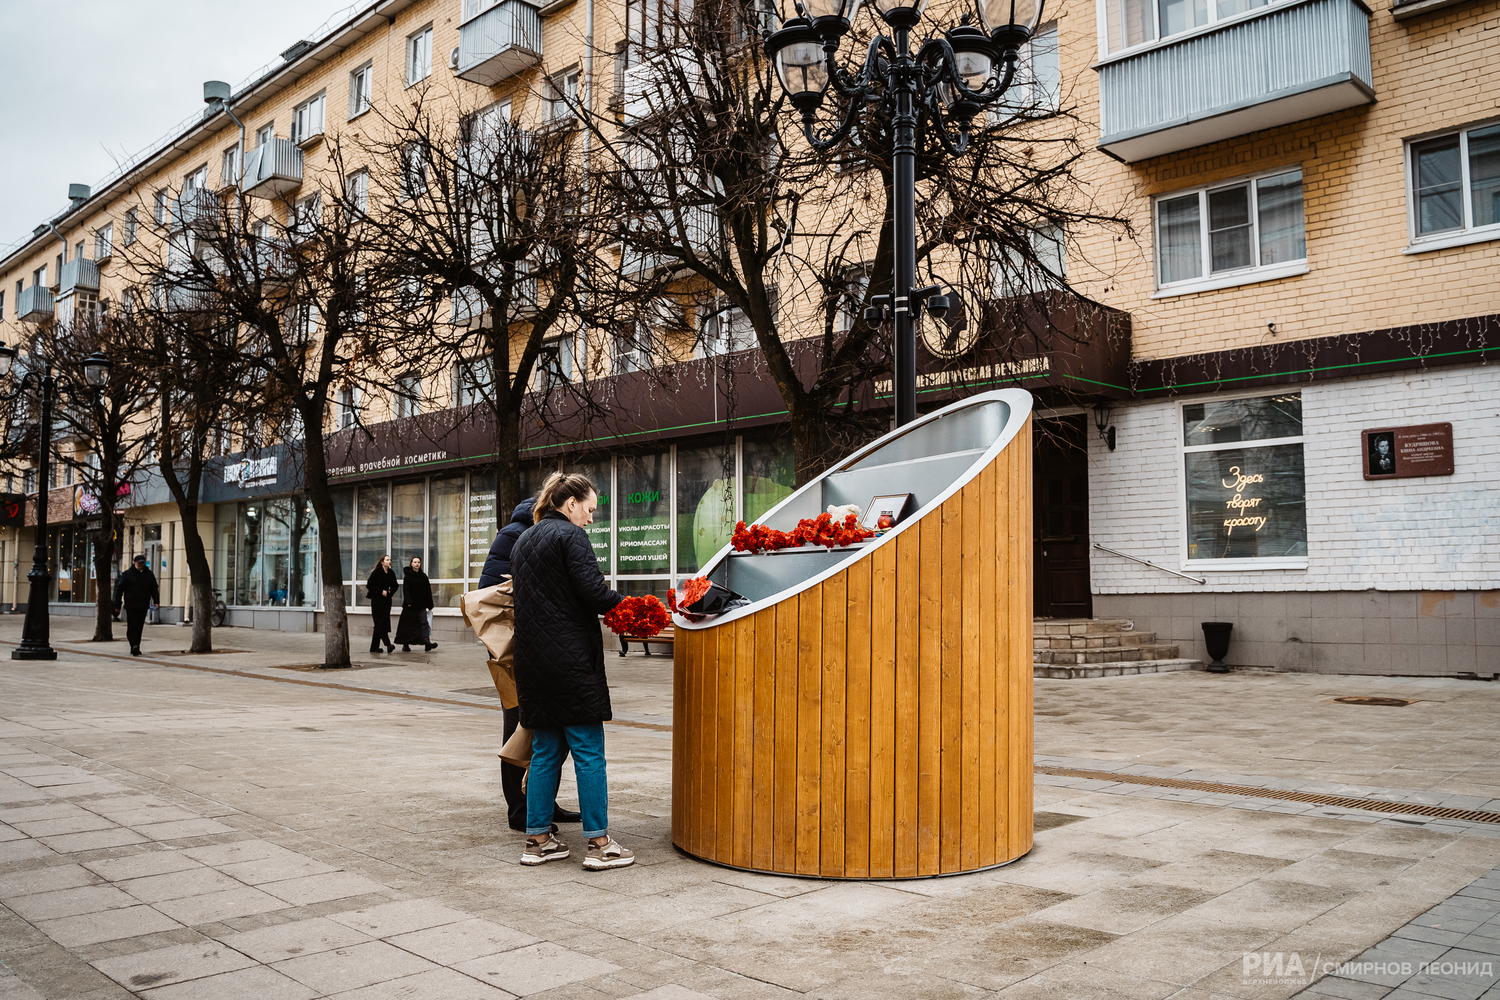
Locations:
column 548, row 749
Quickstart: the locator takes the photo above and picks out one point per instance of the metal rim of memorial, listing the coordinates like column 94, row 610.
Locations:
column 944, row 84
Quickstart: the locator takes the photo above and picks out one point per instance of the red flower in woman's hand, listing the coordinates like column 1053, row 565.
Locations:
column 640, row 617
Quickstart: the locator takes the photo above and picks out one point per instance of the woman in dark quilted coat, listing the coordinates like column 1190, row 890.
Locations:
column 559, row 663
column 416, row 601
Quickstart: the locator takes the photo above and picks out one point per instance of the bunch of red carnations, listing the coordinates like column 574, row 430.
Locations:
column 821, row 530
column 692, row 591
column 640, row 617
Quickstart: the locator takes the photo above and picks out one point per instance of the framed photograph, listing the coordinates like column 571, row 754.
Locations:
column 885, row 512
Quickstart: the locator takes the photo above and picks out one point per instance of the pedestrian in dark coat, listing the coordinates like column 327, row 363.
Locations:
column 416, row 601
column 136, row 591
column 497, row 563
column 496, row 569
column 559, row 664
column 380, row 590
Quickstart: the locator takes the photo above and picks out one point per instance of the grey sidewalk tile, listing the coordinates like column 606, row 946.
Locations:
column 322, row 888
column 463, row 942
column 438, row 983
column 176, row 964
column 536, row 968
column 70, row 902
column 96, row 840
column 1419, row 933
column 344, row 969
column 255, row 983
column 1446, row 988
column 141, row 865
column 399, row 917
column 183, row 829
column 50, row 879
column 276, row 868
column 1345, row 989
column 108, row 925
column 215, row 906
column 291, row 940
column 1408, row 949
column 176, row 885
column 220, row 855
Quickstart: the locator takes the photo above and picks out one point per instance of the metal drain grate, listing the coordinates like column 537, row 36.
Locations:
column 1374, row 805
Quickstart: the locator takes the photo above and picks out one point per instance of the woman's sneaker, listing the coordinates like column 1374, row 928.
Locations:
column 550, row 849
column 608, row 855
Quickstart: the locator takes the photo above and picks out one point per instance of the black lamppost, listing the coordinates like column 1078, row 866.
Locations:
column 941, row 86
column 35, row 632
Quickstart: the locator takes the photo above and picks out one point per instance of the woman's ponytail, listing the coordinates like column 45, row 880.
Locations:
column 556, row 491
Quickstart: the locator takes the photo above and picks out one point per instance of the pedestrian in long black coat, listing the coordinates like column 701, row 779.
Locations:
column 416, row 601
column 136, row 591
column 380, row 590
column 559, row 663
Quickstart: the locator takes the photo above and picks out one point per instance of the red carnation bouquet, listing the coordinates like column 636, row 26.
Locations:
column 692, row 591
column 638, row 617
column 821, row 530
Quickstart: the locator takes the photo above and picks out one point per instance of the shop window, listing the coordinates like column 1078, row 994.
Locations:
column 770, row 475
column 1244, row 482
column 644, row 514
column 705, row 504
column 408, row 524
column 1232, row 234
column 446, row 540
column 599, row 532
column 483, row 522
column 250, row 587
column 372, row 511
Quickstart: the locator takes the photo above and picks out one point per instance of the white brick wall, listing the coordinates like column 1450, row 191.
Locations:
column 1434, row 533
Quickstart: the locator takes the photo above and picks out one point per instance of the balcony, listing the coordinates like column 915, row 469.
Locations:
column 702, row 228
column 660, row 82
column 34, row 303
column 498, row 41
column 273, row 169
column 1282, row 64
column 196, row 208
column 79, row 275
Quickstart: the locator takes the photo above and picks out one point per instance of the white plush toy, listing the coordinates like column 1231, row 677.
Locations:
column 841, row 512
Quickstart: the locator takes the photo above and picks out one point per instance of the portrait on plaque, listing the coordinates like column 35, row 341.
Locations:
column 1408, row 452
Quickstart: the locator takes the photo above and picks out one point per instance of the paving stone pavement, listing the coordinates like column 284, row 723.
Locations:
column 230, row 826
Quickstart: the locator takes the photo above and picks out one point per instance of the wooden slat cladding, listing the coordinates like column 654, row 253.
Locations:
column 878, row 724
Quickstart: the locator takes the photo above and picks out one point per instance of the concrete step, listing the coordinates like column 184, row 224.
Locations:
column 1059, row 671
column 1116, row 655
column 1049, row 627
column 1110, row 640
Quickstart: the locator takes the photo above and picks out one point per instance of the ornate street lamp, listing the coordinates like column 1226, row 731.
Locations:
column 944, row 84
column 35, row 631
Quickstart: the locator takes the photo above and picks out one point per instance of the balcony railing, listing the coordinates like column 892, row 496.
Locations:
column 1286, row 63
column 660, row 82
column 79, row 274
column 195, row 208
column 498, row 41
column 273, row 169
column 34, row 303
column 702, row 229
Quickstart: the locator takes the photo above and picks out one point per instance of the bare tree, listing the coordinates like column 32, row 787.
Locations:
column 478, row 211
column 717, row 190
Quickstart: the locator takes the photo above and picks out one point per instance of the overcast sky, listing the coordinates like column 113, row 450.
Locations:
column 86, row 83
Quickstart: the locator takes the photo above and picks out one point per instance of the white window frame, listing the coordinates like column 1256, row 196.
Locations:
column 132, row 224
column 357, row 190
column 361, row 90
column 265, row 134
column 161, row 207
column 1208, row 280
column 347, row 408
column 195, row 181
column 476, row 392
column 304, row 216
column 309, row 118
column 1215, row 23
column 104, row 241
column 408, row 396
column 413, row 171
column 229, row 166
column 562, row 94
column 418, row 55
column 556, row 365
column 1184, row 449
column 1469, row 233
column 1049, row 249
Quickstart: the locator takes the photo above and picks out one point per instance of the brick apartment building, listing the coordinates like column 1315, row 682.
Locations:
column 1284, row 421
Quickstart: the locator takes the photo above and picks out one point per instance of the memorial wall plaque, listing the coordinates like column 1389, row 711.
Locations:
column 1406, row 452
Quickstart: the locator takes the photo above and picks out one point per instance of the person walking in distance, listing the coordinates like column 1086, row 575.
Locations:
column 559, row 664
column 380, row 589
column 416, row 602
column 136, row 590
column 496, row 570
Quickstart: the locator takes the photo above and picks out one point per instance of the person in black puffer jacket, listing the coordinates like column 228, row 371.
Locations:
column 496, row 569
column 497, row 564
column 559, row 663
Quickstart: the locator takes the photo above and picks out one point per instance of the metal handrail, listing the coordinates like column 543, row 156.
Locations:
column 1148, row 562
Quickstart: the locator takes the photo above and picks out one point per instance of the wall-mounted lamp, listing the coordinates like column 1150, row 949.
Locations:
column 1102, row 414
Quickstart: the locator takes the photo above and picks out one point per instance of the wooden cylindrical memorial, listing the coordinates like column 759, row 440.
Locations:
column 869, row 713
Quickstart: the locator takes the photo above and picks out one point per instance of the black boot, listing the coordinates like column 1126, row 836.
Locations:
column 390, row 647
column 405, row 648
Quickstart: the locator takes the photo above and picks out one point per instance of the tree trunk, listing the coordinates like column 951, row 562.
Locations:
column 330, row 559
column 507, row 465
column 809, row 442
column 200, row 580
column 104, row 556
